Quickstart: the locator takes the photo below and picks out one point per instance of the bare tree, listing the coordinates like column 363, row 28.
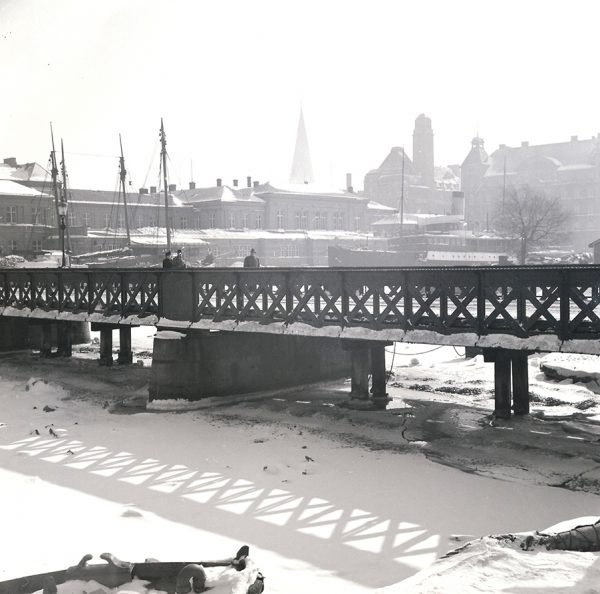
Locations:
column 531, row 216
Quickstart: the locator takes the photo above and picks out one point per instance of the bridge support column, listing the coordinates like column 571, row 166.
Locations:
column 502, row 385
column 359, row 386
column 379, row 377
column 510, row 369
column 520, row 379
column 64, row 339
column 46, row 346
column 106, row 344
column 125, row 355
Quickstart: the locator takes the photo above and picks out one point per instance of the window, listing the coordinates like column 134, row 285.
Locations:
column 36, row 216
column 36, row 244
column 212, row 220
column 87, row 220
column 338, row 221
column 106, row 221
column 242, row 250
column 198, row 222
column 11, row 214
column 320, row 220
column 120, row 222
column 304, row 220
column 288, row 251
column 357, row 223
column 183, row 223
column 279, row 219
column 297, row 220
column 12, row 246
column 230, row 220
column 246, row 221
column 258, row 220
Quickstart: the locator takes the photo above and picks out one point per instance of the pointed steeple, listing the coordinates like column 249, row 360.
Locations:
column 302, row 171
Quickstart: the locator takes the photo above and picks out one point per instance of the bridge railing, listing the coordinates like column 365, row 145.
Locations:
column 518, row 300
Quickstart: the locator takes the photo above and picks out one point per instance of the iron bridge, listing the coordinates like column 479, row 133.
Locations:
column 535, row 304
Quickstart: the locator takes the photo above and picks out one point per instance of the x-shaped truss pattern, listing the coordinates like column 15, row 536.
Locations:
column 586, row 299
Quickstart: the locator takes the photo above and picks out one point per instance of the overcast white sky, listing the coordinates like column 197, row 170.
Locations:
column 229, row 78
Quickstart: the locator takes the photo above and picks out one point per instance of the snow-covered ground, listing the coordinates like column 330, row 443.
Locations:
column 328, row 499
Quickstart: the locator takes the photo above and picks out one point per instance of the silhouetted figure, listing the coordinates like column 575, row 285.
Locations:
column 178, row 260
column 251, row 261
column 208, row 259
column 168, row 261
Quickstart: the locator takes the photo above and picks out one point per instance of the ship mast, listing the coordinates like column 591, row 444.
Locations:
column 54, row 174
column 163, row 155
column 402, row 199
column 122, row 176
column 64, row 191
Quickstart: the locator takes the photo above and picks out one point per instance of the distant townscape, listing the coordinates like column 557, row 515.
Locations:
column 409, row 212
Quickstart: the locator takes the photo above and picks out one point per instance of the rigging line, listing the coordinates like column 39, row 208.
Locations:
column 173, row 168
column 151, row 163
column 92, row 155
column 37, row 210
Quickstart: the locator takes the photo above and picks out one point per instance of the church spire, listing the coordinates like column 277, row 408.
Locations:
column 302, row 172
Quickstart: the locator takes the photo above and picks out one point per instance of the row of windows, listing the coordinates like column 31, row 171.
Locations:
column 12, row 245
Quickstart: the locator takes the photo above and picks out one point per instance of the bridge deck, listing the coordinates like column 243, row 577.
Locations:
column 546, row 308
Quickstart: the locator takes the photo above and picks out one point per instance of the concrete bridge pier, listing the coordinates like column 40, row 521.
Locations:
column 510, row 396
column 199, row 364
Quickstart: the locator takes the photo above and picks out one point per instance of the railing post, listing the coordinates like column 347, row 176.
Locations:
column 90, row 292
column 161, row 293
column 565, row 309
column 289, row 297
column 407, row 301
column 61, row 290
column 480, row 304
column 239, row 296
column 123, row 281
column 345, row 299
column 31, row 290
column 195, row 291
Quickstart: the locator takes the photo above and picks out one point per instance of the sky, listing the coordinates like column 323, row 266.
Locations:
column 229, row 79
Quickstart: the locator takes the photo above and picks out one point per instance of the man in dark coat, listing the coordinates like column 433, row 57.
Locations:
column 167, row 261
column 178, row 260
column 251, row 261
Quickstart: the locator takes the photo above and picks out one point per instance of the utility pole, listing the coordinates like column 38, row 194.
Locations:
column 122, row 175
column 163, row 154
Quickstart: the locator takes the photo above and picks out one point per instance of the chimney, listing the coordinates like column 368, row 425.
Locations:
column 192, row 185
column 249, row 182
column 255, row 184
column 235, row 183
column 219, row 182
column 349, row 187
column 11, row 162
column 143, row 191
column 525, row 143
column 172, row 187
column 152, row 189
column 573, row 138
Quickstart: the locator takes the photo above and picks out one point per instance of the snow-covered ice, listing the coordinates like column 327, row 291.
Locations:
column 328, row 499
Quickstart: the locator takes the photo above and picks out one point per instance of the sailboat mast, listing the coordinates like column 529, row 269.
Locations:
column 163, row 154
column 122, row 175
column 54, row 174
column 64, row 190
column 402, row 199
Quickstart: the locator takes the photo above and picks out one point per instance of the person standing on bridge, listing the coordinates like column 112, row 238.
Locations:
column 167, row 261
column 178, row 261
column 252, row 261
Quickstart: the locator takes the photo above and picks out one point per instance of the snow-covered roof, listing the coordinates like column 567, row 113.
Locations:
column 11, row 188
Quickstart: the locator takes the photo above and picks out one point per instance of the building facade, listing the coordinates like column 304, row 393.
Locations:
column 567, row 170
